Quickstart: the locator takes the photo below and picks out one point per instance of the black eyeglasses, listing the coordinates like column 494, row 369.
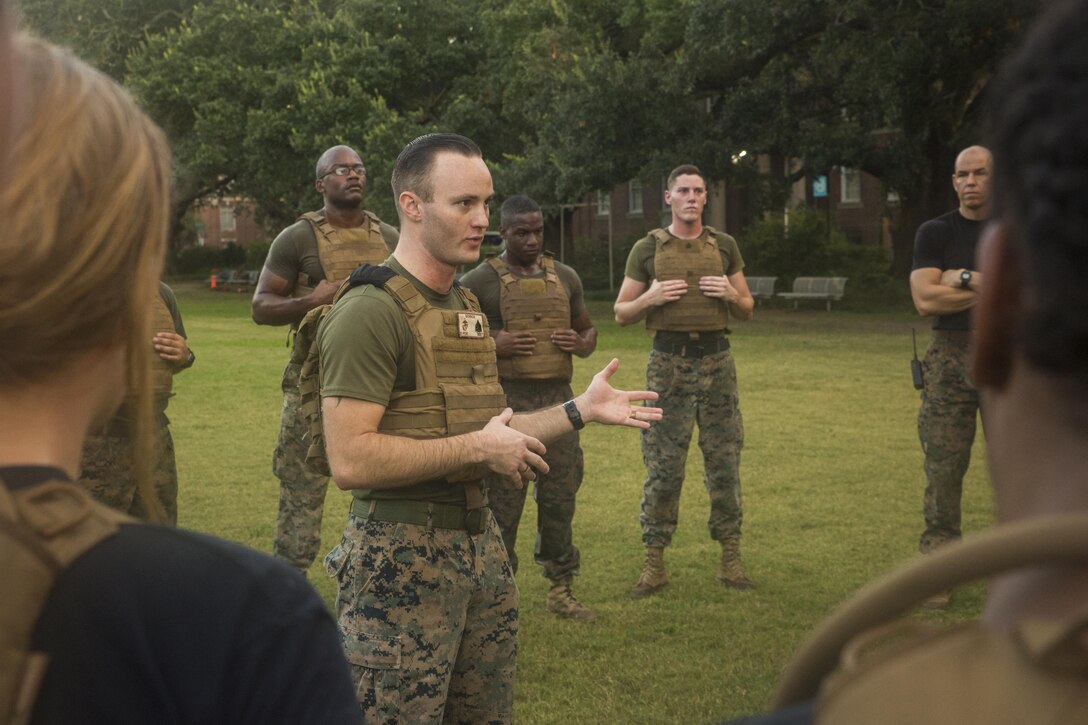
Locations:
column 345, row 169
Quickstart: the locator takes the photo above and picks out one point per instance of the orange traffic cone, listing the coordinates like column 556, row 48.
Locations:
column 213, row 280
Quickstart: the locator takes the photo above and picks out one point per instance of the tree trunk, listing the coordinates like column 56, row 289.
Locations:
column 934, row 197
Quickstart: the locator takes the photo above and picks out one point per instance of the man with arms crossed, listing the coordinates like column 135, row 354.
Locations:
column 686, row 281
column 414, row 417
column 537, row 315
column 945, row 284
column 306, row 264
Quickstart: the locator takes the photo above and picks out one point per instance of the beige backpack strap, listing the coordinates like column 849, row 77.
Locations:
column 1006, row 547
column 309, row 380
column 43, row 529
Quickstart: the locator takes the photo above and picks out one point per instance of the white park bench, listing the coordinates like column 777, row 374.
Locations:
column 829, row 289
column 762, row 288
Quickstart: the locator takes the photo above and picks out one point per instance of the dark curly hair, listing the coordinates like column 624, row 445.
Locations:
column 1038, row 132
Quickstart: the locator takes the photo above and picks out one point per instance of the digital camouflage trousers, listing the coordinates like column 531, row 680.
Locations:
column 107, row 470
column 946, row 429
column 428, row 619
column 302, row 492
column 554, row 492
column 692, row 391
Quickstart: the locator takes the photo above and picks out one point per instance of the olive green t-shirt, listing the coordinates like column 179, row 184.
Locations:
column 171, row 301
column 367, row 352
column 294, row 252
column 640, row 267
column 484, row 283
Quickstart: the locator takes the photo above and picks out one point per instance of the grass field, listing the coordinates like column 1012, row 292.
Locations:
column 832, row 476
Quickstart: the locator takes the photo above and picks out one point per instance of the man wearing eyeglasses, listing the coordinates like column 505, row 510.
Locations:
column 306, row 264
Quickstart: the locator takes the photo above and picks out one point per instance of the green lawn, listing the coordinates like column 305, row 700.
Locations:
column 832, row 476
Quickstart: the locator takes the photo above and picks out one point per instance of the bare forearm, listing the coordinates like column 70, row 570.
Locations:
column 271, row 309
column 742, row 308
column 589, row 342
column 628, row 313
column 545, row 424
column 938, row 300
column 376, row 460
column 940, row 292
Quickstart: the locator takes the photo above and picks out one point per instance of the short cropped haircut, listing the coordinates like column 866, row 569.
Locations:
column 684, row 169
column 516, row 206
column 1037, row 121
column 412, row 170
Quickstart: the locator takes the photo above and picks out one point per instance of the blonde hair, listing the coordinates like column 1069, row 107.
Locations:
column 85, row 209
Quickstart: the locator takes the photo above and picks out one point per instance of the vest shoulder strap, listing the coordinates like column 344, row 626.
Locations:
column 43, row 529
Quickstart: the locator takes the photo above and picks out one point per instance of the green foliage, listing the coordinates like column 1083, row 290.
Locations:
column 592, row 262
column 256, row 253
column 832, row 478
column 802, row 246
column 103, row 32
column 564, row 96
column 194, row 260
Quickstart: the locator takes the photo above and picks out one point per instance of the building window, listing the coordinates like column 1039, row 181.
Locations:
column 849, row 186
column 634, row 196
column 226, row 218
column 604, row 203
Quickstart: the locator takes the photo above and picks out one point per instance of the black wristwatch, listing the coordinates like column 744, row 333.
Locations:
column 965, row 279
column 574, row 415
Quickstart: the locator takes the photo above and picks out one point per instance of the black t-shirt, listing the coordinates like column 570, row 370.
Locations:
column 156, row 625
column 948, row 242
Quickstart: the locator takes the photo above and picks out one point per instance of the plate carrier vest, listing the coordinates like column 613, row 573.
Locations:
column 688, row 259
column 538, row 306
column 43, row 529
column 342, row 250
column 457, row 383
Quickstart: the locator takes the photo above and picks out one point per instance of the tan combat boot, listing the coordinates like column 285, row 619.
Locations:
column 561, row 601
column 731, row 569
column 653, row 576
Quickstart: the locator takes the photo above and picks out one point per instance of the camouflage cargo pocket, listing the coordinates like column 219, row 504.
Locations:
column 375, row 666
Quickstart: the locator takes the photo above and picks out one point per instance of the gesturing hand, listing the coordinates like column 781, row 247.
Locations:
column 604, row 404
column 509, row 452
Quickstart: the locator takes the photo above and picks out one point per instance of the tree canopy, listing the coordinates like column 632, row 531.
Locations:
column 564, row 96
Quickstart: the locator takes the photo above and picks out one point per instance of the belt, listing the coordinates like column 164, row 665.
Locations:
column 692, row 349
column 953, row 335
column 423, row 513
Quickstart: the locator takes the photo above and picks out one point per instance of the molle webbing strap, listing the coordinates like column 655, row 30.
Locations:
column 688, row 259
column 162, row 374
column 539, row 307
column 43, row 529
column 309, row 379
